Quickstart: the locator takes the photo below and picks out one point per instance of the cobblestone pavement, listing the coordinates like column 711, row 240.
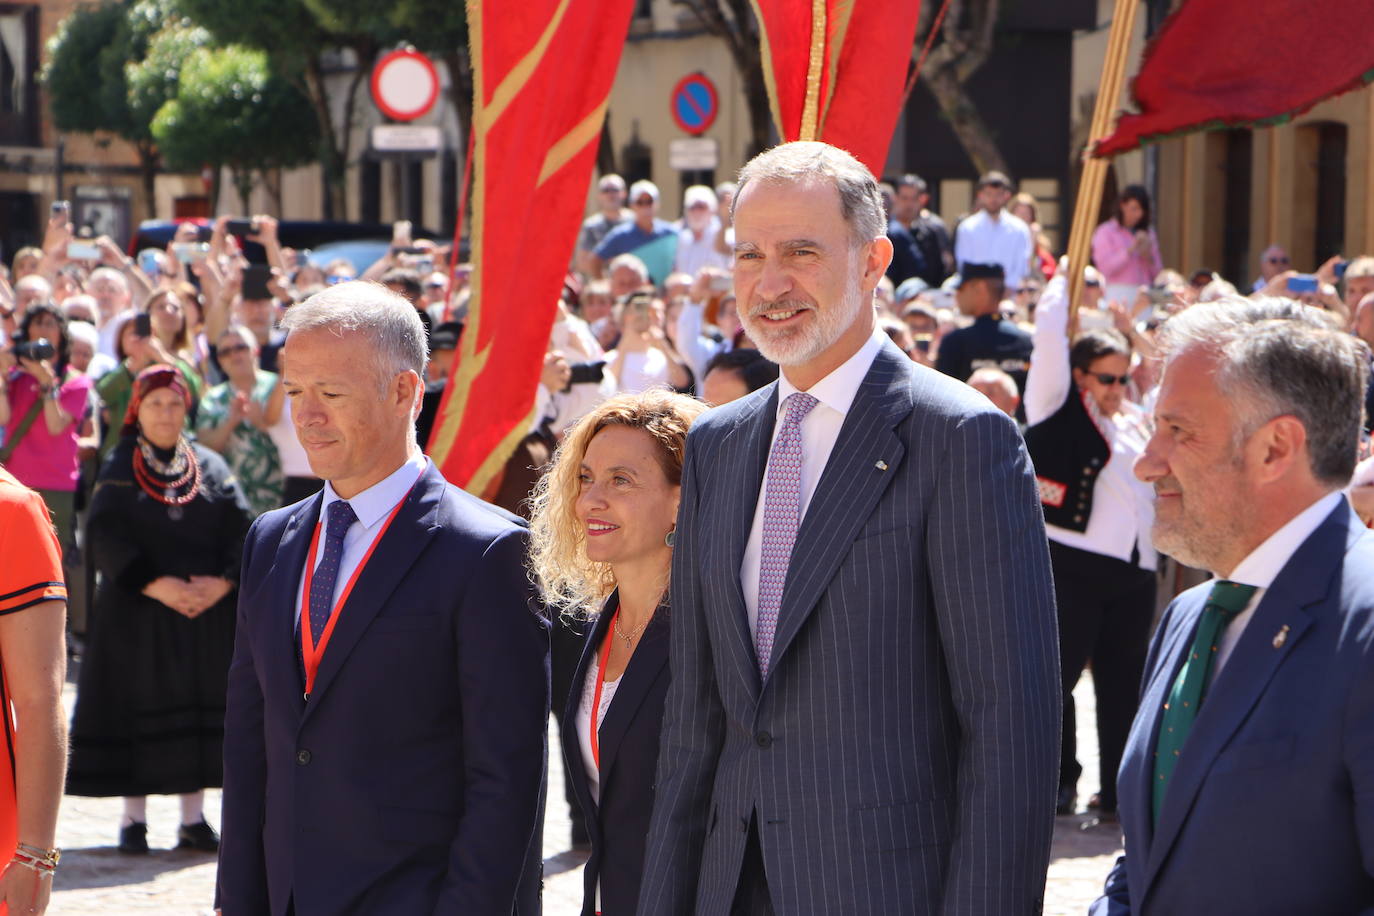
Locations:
column 96, row 879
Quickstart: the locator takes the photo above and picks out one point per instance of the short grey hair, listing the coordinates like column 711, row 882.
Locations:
column 388, row 321
column 1276, row 357
column 807, row 161
column 633, row 262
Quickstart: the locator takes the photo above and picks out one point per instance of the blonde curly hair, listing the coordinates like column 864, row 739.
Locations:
column 568, row 580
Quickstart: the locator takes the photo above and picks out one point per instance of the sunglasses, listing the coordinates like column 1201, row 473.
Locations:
column 235, row 348
column 644, row 202
column 1277, row 260
column 1104, row 378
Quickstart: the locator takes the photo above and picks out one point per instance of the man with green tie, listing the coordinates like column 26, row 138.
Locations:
column 1248, row 780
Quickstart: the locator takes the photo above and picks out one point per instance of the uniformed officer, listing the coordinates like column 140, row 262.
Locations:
column 991, row 341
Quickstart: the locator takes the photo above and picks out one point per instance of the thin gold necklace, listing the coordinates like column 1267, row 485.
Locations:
column 630, row 637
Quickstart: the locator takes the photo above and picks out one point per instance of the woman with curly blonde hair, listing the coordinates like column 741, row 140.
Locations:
column 601, row 547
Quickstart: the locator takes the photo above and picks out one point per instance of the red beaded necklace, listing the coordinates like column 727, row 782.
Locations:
column 164, row 490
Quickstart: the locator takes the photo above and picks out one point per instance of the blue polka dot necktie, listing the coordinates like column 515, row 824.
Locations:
column 781, row 519
column 341, row 518
column 1226, row 600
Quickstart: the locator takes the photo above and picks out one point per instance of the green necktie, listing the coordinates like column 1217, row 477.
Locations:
column 1226, row 601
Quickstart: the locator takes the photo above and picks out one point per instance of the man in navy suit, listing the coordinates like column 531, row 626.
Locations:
column 1248, row 780
column 863, row 715
column 385, row 728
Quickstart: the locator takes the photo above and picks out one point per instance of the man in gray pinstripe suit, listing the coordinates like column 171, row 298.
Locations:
column 864, row 715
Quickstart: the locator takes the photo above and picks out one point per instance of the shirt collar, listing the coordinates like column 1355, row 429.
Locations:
column 1267, row 560
column 838, row 389
column 372, row 505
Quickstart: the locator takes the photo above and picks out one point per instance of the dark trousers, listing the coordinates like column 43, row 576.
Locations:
column 1105, row 608
column 751, row 893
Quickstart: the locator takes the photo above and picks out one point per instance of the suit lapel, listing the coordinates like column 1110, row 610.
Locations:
column 647, row 665
column 1137, row 774
column 1304, row 582
column 281, row 590
column 568, row 728
column 397, row 551
column 751, row 437
column 862, row 464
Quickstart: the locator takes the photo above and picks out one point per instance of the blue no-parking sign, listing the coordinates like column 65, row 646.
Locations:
column 694, row 103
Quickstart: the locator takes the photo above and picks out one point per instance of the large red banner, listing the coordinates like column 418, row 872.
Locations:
column 1236, row 63
column 836, row 70
column 542, row 74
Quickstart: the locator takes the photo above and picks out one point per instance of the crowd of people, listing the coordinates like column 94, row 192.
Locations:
column 931, row 496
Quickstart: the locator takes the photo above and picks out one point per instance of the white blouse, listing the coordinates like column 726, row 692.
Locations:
column 584, row 721
column 1123, row 505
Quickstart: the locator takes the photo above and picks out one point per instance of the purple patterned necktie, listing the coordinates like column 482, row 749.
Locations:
column 781, row 519
column 341, row 518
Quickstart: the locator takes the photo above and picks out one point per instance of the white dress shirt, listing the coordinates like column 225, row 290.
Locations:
column 1005, row 240
column 819, row 430
column 1264, row 564
column 372, row 507
column 1123, row 505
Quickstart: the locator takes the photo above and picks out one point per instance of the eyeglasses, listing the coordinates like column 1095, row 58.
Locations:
column 1104, row 378
column 234, row 348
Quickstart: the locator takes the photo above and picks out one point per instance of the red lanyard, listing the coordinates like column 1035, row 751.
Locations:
column 310, row 654
column 600, row 682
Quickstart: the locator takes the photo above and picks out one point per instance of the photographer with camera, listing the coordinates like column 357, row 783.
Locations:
column 41, row 412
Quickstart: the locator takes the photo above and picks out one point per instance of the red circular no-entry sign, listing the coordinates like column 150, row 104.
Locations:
column 405, row 85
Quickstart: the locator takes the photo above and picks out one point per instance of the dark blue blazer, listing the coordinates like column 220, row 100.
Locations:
column 1271, row 809
column 411, row 782
column 628, row 744
column 902, row 754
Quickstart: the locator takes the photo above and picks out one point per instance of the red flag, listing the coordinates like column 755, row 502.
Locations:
column 542, row 76
column 1235, row 63
column 838, row 74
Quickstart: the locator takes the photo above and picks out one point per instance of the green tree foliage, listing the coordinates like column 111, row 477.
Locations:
column 231, row 110
column 307, row 52
column 154, row 80
column 84, row 73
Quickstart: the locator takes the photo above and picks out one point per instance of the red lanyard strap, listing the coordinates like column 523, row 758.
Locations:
column 600, row 682
column 310, row 653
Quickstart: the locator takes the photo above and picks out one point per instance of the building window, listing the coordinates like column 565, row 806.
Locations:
column 18, row 75
column 1331, row 149
column 1318, row 193
column 1237, row 173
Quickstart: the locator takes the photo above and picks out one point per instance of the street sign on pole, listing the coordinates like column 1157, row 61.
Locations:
column 405, row 85
column 693, row 154
column 412, row 139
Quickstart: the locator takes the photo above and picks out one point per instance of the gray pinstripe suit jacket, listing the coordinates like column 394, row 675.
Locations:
column 902, row 754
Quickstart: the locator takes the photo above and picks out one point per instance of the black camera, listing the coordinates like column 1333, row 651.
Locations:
column 36, row 350
column 583, row 373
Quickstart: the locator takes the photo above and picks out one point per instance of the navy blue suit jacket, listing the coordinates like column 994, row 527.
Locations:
column 902, row 754
column 1271, row 809
column 628, row 745
column 411, row 781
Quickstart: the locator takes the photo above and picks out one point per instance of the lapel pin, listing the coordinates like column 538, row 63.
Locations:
column 881, row 465
column 1281, row 637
